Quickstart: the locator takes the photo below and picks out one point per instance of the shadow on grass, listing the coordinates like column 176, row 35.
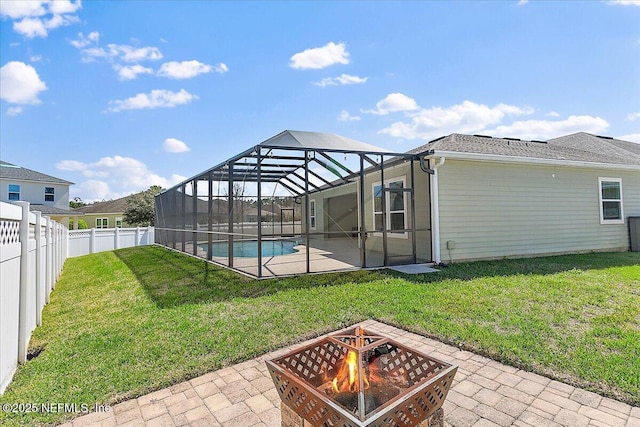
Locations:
column 171, row 278
column 526, row 266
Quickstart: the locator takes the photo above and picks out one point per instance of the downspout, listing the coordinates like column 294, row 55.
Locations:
column 435, row 213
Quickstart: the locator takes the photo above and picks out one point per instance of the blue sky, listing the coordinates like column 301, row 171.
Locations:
column 120, row 95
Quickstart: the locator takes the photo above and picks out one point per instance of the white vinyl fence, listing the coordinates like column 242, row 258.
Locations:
column 83, row 242
column 33, row 249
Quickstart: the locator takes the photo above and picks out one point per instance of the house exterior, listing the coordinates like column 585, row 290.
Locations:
column 456, row 198
column 109, row 214
column 498, row 197
column 489, row 198
column 45, row 193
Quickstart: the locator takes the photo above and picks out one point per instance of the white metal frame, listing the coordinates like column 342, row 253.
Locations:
column 601, row 200
column 390, row 233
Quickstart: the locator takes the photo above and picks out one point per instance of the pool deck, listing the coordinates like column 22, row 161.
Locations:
column 338, row 254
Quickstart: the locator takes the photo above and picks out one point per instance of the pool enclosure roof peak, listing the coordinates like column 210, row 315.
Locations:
column 297, row 139
column 282, row 159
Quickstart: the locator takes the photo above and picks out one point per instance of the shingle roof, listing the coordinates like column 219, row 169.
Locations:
column 110, row 206
column 11, row 171
column 581, row 147
column 50, row 210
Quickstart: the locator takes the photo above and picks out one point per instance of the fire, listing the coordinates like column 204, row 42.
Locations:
column 347, row 378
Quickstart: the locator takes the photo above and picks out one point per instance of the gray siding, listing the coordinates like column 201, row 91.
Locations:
column 496, row 210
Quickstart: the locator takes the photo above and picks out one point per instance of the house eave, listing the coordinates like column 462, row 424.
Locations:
column 527, row 160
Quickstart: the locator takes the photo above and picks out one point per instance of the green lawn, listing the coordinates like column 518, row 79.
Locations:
column 124, row 323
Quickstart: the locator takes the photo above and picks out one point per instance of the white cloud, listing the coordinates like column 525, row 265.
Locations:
column 633, row 137
column 393, row 103
column 30, row 27
column 346, row 117
column 221, row 68
column 625, row 2
column 157, row 98
column 82, row 41
column 523, row 2
column 633, row 116
column 14, row 111
column 22, row 9
column 547, row 129
column 467, row 117
column 188, row 69
column 320, row 57
column 131, row 73
column 126, row 53
column 20, row 83
column 553, row 114
column 132, row 54
column 113, row 177
column 344, row 79
column 61, row 7
column 37, row 17
column 172, row 145
column 35, row 58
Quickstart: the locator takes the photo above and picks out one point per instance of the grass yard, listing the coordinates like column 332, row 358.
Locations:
column 121, row 324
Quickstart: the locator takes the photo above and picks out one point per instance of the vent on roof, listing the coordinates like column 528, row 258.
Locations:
column 604, row 137
column 9, row 165
column 437, row 139
column 537, row 140
column 483, row 136
column 513, row 139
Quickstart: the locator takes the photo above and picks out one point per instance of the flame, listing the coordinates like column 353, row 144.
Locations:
column 347, row 378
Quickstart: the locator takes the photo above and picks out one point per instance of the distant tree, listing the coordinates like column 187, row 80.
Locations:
column 237, row 199
column 76, row 203
column 140, row 209
column 82, row 225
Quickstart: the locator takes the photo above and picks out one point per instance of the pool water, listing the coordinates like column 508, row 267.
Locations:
column 249, row 248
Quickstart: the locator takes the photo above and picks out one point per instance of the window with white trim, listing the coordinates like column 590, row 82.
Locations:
column 610, row 195
column 102, row 222
column 14, row 192
column 49, row 193
column 312, row 214
column 118, row 222
column 395, row 204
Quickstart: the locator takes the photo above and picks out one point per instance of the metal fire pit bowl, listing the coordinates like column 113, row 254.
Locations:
column 387, row 384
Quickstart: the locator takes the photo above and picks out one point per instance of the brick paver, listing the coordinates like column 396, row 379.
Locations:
column 485, row 393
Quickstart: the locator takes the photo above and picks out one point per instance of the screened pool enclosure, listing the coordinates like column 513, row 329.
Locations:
column 302, row 202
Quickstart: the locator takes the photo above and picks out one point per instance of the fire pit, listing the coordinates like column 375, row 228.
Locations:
column 358, row 378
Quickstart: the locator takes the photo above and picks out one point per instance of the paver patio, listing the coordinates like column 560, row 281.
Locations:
column 485, row 393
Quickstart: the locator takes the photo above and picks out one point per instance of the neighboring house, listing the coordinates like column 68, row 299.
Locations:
column 46, row 193
column 109, row 214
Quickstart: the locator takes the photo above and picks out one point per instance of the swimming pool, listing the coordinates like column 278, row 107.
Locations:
column 249, row 248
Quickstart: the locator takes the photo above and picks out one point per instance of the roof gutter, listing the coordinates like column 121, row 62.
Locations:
column 527, row 160
column 435, row 211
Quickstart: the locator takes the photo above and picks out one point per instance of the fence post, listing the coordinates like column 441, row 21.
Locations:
column 148, row 240
column 92, row 241
column 54, row 232
column 116, row 238
column 24, row 281
column 47, row 260
column 137, row 236
column 39, row 275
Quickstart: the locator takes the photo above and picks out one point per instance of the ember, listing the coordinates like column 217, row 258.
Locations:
column 357, row 378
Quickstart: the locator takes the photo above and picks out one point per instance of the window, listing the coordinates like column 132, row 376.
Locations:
column 49, row 192
column 118, row 222
column 312, row 214
column 610, row 201
column 395, row 206
column 14, row 192
column 102, row 222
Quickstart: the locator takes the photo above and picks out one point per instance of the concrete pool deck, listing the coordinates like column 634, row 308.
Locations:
column 485, row 393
